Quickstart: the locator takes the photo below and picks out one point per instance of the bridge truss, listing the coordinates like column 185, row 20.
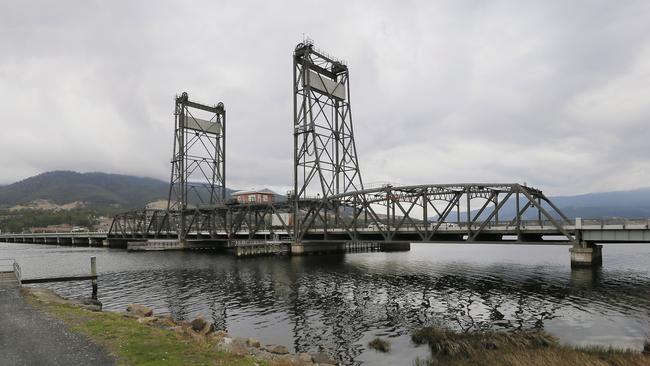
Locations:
column 198, row 176
column 423, row 213
column 329, row 202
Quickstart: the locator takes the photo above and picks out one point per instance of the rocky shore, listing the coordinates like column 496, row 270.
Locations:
column 198, row 330
column 203, row 330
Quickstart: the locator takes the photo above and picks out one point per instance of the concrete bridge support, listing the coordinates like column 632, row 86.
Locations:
column 317, row 248
column 334, row 247
column 64, row 241
column 115, row 243
column 387, row 246
column 586, row 254
column 95, row 242
column 81, row 242
column 48, row 240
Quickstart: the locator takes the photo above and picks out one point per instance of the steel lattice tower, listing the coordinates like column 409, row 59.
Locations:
column 198, row 177
column 325, row 156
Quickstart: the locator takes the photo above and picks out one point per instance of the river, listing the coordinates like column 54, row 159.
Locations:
column 338, row 303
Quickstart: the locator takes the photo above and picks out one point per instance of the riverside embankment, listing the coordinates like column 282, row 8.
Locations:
column 338, row 304
column 139, row 337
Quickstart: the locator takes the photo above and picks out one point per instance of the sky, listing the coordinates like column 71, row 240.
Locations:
column 552, row 93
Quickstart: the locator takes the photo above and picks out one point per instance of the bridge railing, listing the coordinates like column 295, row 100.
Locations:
column 623, row 222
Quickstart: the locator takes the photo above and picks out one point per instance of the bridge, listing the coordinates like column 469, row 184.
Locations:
column 329, row 208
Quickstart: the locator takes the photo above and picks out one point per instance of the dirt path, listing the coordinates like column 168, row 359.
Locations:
column 29, row 337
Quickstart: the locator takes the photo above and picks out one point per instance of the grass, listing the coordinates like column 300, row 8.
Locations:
column 380, row 345
column 515, row 349
column 133, row 343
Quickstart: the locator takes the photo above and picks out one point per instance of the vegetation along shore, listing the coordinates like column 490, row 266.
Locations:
column 139, row 337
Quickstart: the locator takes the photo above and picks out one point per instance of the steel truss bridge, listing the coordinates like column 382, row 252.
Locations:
column 391, row 217
column 382, row 214
column 329, row 207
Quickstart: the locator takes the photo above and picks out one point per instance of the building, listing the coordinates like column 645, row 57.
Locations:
column 254, row 196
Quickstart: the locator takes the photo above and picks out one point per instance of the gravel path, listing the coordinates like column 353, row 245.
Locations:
column 30, row 337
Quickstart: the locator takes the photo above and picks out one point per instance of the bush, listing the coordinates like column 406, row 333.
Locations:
column 449, row 343
column 380, row 345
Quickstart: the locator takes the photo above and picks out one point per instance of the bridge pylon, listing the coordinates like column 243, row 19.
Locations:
column 198, row 174
column 325, row 154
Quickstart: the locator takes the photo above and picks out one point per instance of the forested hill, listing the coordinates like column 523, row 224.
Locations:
column 93, row 189
column 103, row 190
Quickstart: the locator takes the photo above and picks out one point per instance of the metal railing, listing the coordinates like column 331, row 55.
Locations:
column 616, row 221
column 9, row 265
column 18, row 273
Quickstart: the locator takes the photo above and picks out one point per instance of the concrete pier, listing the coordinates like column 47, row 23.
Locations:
column 393, row 246
column 586, row 254
column 316, row 248
column 333, row 247
column 154, row 245
column 115, row 243
column 258, row 248
column 80, row 241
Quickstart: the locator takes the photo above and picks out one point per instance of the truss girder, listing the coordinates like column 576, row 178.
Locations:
column 391, row 213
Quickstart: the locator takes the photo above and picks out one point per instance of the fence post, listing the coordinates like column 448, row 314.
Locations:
column 93, row 272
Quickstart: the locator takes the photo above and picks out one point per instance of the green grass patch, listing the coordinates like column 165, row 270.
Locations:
column 137, row 344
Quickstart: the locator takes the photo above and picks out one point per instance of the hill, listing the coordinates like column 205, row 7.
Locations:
column 616, row 204
column 93, row 189
column 121, row 192
column 629, row 204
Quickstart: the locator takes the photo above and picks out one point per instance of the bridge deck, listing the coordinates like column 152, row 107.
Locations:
column 601, row 232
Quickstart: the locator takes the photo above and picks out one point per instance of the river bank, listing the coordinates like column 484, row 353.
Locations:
column 139, row 337
column 338, row 304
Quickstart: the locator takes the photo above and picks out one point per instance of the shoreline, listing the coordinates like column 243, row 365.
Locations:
column 138, row 336
column 198, row 342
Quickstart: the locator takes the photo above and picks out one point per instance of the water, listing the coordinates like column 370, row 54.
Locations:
column 337, row 304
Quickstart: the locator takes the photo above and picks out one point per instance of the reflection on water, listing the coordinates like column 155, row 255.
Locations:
column 336, row 304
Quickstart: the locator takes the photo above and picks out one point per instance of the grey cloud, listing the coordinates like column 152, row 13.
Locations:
column 549, row 92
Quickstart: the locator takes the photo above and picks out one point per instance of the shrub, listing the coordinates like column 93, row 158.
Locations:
column 380, row 345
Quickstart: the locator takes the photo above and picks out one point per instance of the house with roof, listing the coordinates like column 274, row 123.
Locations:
column 254, row 196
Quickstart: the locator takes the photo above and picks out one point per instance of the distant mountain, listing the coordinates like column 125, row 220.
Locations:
column 628, row 204
column 617, row 204
column 94, row 189
column 130, row 192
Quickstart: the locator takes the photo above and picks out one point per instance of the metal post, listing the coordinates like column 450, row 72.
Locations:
column 518, row 217
column 496, row 209
column 223, row 166
column 425, row 214
column 469, row 215
column 93, row 272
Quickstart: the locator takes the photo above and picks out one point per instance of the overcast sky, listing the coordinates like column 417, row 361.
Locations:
column 552, row 93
